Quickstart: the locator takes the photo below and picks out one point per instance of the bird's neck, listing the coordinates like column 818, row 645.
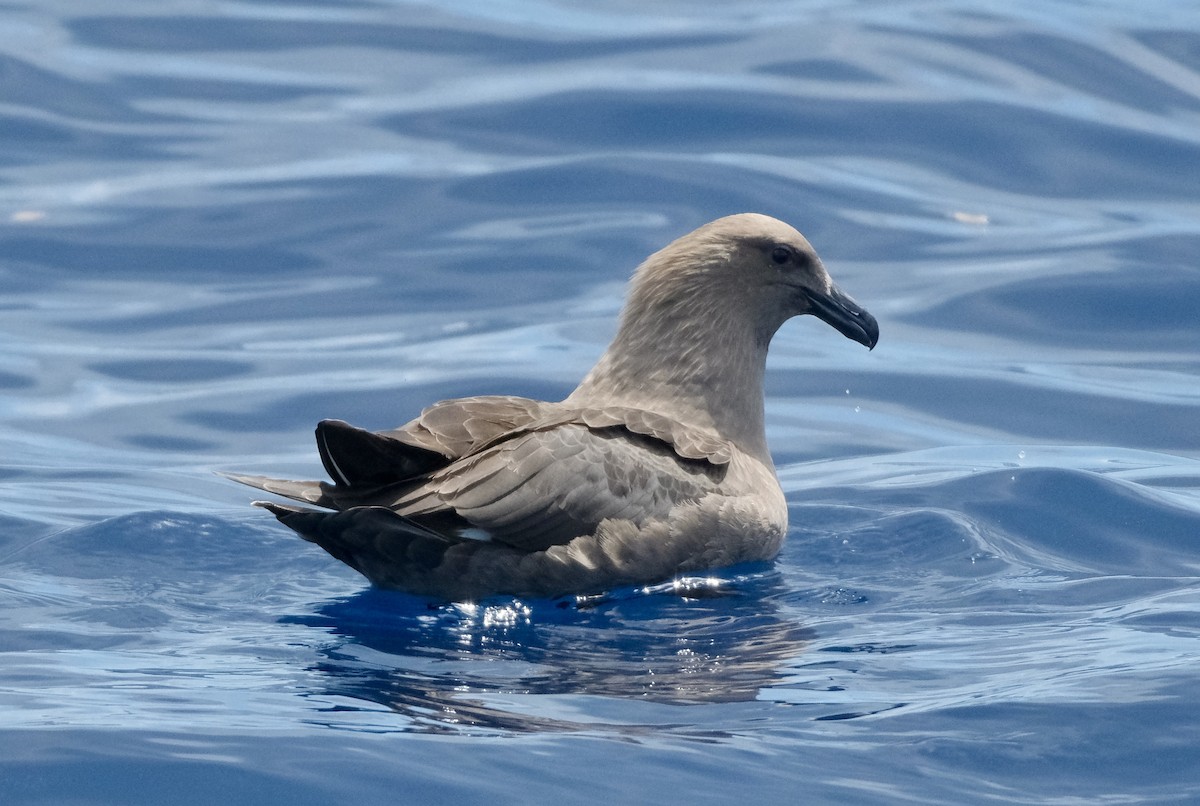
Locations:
column 698, row 361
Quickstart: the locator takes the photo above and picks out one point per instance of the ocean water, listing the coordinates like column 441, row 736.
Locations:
column 222, row 222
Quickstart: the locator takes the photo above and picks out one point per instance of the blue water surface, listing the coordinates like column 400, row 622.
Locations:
column 222, row 222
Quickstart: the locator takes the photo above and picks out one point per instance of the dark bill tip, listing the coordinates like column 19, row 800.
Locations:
column 845, row 316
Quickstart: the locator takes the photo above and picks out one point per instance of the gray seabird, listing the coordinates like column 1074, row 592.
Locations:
column 656, row 465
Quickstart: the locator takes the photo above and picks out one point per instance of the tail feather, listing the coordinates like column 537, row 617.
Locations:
column 307, row 492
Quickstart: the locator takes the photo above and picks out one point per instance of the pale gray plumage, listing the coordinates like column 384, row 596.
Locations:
column 656, row 465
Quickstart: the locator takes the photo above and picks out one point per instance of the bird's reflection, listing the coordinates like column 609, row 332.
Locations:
column 489, row 666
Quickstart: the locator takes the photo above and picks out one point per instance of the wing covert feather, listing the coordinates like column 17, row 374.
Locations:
column 455, row 428
column 546, row 487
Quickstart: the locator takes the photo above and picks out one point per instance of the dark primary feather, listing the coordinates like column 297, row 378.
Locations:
column 354, row 457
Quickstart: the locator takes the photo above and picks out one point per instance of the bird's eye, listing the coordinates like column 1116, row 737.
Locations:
column 781, row 254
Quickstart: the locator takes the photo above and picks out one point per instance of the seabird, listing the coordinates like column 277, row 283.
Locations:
column 656, row 465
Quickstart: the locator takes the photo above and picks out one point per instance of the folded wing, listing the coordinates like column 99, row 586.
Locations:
column 544, row 487
column 521, row 473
